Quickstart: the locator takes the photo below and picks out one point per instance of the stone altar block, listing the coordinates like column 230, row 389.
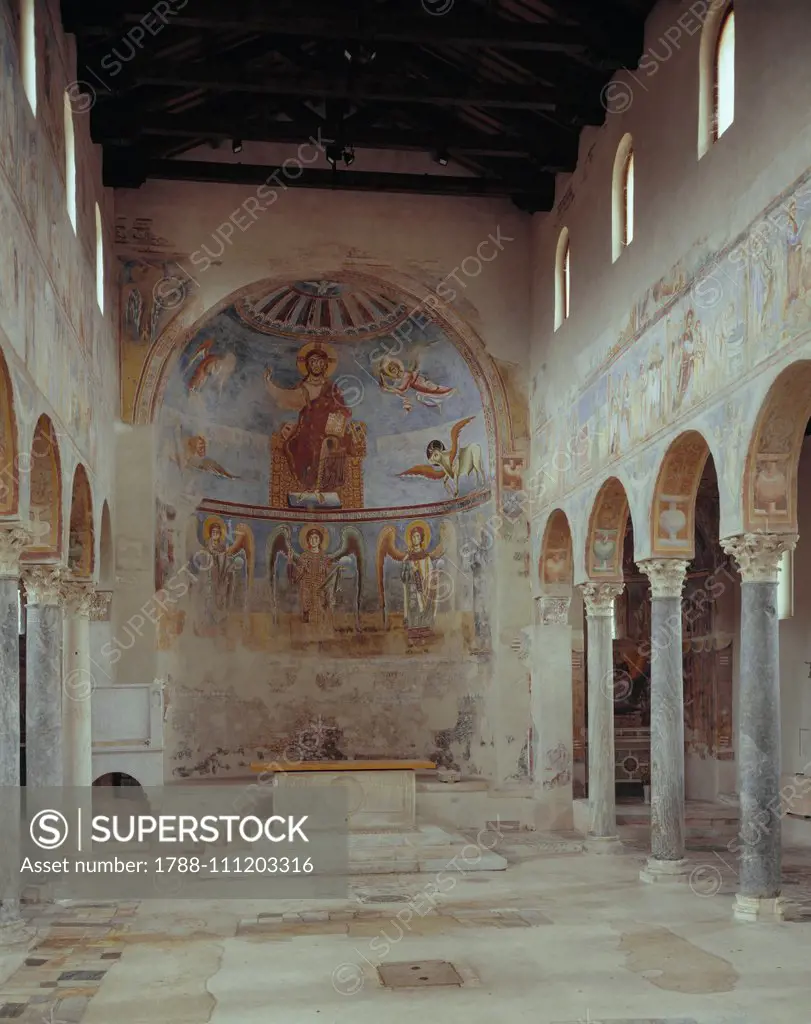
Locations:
column 377, row 800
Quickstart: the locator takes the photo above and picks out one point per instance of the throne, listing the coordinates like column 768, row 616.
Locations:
column 283, row 483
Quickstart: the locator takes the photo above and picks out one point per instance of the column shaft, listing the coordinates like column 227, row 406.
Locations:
column 666, row 862
column 759, row 742
column 759, row 842
column 12, row 542
column 43, row 718
column 667, row 730
column 599, row 599
column 9, row 682
column 77, row 688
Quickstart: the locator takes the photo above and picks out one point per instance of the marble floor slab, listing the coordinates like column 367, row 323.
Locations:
column 558, row 937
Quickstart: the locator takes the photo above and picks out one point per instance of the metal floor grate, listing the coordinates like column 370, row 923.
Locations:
column 420, row 974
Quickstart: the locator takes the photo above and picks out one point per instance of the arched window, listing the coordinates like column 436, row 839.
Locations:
column 28, row 52
column 99, row 260
column 70, row 161
column 716, row 110
column 725, row 75
column 622, row 198
column 563, row 279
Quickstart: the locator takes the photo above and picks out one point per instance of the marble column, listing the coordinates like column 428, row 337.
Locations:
column 12, row 542
column 43, row 693
column 667, row 862
column 78, row 684
column 759, row 842
column 599, row 600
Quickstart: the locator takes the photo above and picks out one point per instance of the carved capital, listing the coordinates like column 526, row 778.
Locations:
column 12, row 542
column 552, row 611
column 758, row 555
column 599, row 598
column 100, row 605
column 666, row 575
column 78, row 598
column 43, row 584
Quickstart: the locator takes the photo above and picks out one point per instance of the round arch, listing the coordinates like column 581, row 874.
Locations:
column 82, row 539
column 673, row 510
column 606, row 537
column 424, row 305
column 45, row 500
column 10, row 479
column 556, row 563
column 773, row 456
column 106, row 559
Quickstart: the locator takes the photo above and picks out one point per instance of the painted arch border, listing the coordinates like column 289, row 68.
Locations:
column 775, row 434
column 165, row 351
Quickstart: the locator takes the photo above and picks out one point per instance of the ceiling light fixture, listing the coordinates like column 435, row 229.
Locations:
column 236, row 146
column 441, row 157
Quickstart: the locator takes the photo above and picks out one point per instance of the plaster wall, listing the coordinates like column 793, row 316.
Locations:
column 61, row 349
column 466, row 702
column 692, row 323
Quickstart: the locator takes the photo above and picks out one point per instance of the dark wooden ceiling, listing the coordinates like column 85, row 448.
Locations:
column 495, row 90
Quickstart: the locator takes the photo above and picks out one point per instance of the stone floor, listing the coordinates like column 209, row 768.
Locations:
column 560, row 937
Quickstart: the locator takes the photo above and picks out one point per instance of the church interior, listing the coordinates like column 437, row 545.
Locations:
column 404, row 438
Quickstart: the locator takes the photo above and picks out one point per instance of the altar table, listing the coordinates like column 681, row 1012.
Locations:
column 382, row 794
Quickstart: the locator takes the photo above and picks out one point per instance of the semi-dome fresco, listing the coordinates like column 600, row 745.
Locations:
column 322, row 446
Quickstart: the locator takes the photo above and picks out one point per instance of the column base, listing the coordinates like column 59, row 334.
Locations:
column 751, row 909
column 603, row 844
column 671, row 871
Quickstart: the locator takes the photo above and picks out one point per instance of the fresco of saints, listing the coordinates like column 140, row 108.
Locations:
column 688, row 351
column 316, row 573
column 225, row 572
column 421, row 574
column 398, row 379
column 317, row 444
column 794, row 255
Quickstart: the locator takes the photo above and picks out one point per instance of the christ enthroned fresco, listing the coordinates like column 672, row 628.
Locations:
column 316, row 458
column 313, row 398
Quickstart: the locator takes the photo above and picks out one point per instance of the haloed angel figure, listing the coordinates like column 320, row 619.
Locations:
column 421, row 574
column 397, row 378
column 317, row 573
column 225, row 571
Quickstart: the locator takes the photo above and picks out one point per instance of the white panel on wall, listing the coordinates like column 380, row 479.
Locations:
column 121, row 714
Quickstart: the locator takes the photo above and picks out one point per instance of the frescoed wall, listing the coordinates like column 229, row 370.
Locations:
column 694, row 360
column 60, row 349
column 323, row 479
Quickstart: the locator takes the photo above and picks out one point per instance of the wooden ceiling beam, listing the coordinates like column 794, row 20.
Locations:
column 108, row 126
column 86, row 18
column 129, row 170
column 221, row 78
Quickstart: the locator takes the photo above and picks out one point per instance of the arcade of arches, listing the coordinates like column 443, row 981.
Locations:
column 514, row 508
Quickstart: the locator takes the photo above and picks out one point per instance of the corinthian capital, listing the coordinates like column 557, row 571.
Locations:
column 666, row 575
column 78, row 598
column 43, row 584
column 12, row 542
column 599, row 597
column 759, row 554
column 100, row 606
column 552, row 611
